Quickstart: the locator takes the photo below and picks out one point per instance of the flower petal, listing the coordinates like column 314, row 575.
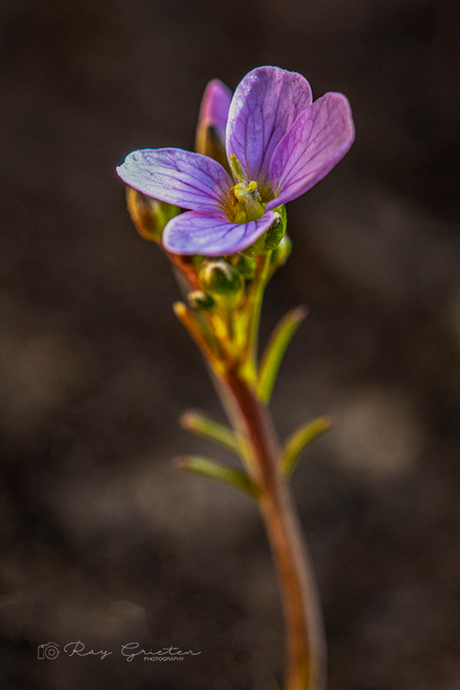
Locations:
column 212, row 234
column 183, row 178
column 316, row 142
column 264, row 106
column 214, row 109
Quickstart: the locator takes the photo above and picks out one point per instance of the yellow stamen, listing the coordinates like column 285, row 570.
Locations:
column 246, row 202
column 236, row 167
column 241, row 191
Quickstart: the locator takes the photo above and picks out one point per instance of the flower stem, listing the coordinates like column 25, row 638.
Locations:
column 234, row 368
column 255, row 303
column 305, row 647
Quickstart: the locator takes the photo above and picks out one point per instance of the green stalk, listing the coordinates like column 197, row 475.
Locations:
column 255, row 308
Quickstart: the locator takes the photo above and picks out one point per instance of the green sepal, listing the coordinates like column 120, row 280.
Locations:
column 281, row 254
column 202, row 426
column 299, row 440
column 271, row 237
column 221, row 473
column 277, row 230
column 271, row 360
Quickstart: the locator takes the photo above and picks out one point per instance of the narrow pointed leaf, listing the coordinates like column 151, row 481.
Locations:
column 202, row 426
column 221, row 473
column 271, row 360
column 299, row 440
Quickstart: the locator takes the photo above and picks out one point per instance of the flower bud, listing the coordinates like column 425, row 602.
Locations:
column 219, row 278
column 245, row 266
column 149, row 216
column 210, row 134
column 281, row 253
column 200, row 301
column 210, row 143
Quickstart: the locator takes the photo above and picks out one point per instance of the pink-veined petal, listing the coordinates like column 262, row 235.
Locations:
column 212, row 234
column 183, row 178
column 316, row 142
column 264, row 106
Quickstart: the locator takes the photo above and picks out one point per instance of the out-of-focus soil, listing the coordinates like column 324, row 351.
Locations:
column 104, row 541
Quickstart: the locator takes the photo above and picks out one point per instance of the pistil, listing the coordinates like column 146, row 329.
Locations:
column 249, row 202
column 246, row 200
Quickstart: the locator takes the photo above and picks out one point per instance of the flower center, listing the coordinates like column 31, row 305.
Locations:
column 245, row 201
column 247, row 204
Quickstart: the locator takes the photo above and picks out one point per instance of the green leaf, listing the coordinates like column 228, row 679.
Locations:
column 214, row 470
column 271, row 360
column 202, row 426
column 299, row 440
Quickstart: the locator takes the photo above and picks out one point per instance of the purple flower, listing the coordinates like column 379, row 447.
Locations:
column 279, row 144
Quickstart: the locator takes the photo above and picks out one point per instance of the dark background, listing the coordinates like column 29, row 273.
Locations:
column 103, row 540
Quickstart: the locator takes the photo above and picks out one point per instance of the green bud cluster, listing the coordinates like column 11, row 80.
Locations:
column 220, row 280
column 223, row 279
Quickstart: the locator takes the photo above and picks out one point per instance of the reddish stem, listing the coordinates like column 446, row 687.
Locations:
column 305, row 646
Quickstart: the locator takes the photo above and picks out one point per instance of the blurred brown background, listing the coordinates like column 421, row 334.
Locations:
column 103, row 540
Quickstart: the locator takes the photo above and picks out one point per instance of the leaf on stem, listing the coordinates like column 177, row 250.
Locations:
column 202, row 426
column 299, row 440
column 221, row 473
column 271, row 360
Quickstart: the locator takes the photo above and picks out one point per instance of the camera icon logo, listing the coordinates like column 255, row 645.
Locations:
column 50, row 650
